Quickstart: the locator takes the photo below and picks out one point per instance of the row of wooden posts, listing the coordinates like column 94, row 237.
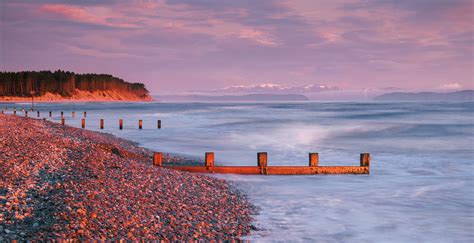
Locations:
column 140, row 123
column 262, row 167
column 38, row 113
column 83, row 122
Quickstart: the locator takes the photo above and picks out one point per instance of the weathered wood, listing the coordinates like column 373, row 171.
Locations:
column 342, row 170
column 120, row 124
column 313, row 159
column 63, row 121
column 158, row 159
column 291, row 170
column 50, row 114
column 263, row 168
column 101, row 123
column 83, row 123
column 262, row 159
column 140, row 124
column 73, row 114
column 85, row 114
column 196, row 169
column 274, row 170
column 159, row 124
column 209, row 159
column 365, row 159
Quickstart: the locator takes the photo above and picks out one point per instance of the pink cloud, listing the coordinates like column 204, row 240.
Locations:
column 90, row 15
column 258, row 36
column 450, row 86
column 351, row 43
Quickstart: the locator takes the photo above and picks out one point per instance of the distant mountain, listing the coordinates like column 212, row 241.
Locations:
column 465, row 95
column 68, row 86
column 249, row 97
column 270, row 88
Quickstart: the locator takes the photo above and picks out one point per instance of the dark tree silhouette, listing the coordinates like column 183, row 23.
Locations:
column 28, row 83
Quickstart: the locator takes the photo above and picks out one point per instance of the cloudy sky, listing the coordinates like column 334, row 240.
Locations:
column 179, row 45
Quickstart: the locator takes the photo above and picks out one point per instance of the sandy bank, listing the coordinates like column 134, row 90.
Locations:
column 64, row 182
column 82, row 96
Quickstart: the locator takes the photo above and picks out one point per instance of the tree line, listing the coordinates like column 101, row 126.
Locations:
column 65, row 83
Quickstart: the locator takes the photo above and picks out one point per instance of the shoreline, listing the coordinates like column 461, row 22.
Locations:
column 74, row 101
column 61, row 182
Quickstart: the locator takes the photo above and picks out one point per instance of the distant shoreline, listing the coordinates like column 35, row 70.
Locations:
column 63, row 85
column 79, row 96
column 74, row 101
column 457, row 96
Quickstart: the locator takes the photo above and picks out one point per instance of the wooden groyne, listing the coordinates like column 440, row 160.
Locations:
column 62, row 118
column 262, row 167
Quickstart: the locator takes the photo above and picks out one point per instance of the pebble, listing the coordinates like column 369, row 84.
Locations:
column 87, row 185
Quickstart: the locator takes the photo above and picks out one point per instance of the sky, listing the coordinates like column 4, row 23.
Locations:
column 180, row 45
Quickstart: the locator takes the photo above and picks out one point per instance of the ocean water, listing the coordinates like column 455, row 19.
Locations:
column 420, row 188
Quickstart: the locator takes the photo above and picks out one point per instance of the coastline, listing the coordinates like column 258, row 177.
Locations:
column 64, row 100
column 60, row 182
column 73, row 101
column 81, row 96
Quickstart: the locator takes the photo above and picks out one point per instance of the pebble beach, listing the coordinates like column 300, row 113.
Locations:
column 60, row 182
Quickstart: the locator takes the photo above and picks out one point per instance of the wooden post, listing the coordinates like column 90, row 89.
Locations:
column 101, row 123
column 85, row 114
column 140, row 124
column 50, row 114
column 14, row 112
column 62, row 114
column 158, row 159
column 262, row 159
column 83, row 123
column 120, row 124
column 262, row 162
column 209, row 161
column 313, row 159
column 159, row 124
column 365, row 159
column 26, row 113
column 73, row 114
column 38, row 113
column 62, row 121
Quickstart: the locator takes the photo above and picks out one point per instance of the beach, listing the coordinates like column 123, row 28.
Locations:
column 418, row 180
column 61, row 182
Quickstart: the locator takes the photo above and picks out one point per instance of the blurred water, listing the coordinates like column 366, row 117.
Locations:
column 421, row 183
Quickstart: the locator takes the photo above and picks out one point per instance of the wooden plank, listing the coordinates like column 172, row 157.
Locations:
column 274, row 170
column 342, row 170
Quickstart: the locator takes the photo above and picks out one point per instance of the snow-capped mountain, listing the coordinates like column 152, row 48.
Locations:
column 274, row 88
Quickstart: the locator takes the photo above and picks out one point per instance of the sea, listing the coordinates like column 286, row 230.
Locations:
column 421, row 182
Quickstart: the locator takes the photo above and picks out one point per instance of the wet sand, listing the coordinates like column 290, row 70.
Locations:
column 60, row 182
